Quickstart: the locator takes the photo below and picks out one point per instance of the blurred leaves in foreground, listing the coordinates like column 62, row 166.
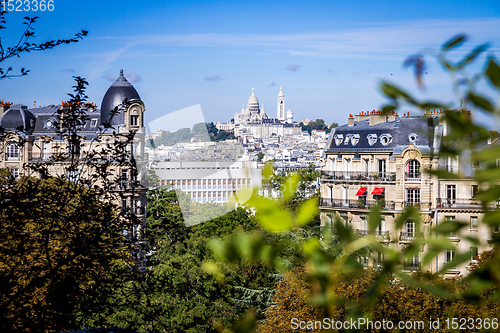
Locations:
column 331, row 283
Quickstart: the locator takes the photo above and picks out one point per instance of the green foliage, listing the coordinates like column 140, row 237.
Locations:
column 218, row 135
column 333, row 283
column 58, row 241
column 197, row 133
column 318, row 124
column 176, row 294
column 397, row 300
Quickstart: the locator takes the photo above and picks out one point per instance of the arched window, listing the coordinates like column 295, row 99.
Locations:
column 12, row 151
column 413, row 170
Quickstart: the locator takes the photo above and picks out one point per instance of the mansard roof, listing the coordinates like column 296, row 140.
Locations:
column 391, row 136
column 18, row 117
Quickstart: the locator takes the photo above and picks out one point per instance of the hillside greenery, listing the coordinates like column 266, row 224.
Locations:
column 318, row 124
column 199, row 132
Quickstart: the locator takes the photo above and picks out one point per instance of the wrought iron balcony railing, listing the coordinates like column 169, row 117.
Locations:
column 457, row 203
column 415, row 204
column 384, row 234
column 356, row 204
column 411, row 265
column 406, row 236
column 60, row 157
column 358, row 176
column 362, row 232
column 412, row 176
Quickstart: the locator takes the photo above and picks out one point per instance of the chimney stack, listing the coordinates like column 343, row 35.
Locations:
column 350, row 120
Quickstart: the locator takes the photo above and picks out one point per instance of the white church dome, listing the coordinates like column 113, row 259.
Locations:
column 253, row 103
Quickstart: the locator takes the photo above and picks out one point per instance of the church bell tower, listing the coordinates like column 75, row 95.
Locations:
column 281, row 106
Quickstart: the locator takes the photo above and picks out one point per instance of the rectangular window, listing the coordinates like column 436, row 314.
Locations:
column 451, row 164
column 124, row 205
column 413, row 263
column 451, row 194
column 410, row 229
column 381, row 168
column 15, row 173
column 474, row 253
column 381, row 226
column 364, row 226
column 124, row 177
column 365, row 166
column 450, row 219
column 134, row 120
column 93, row 122
column 72, row 175
column 345, row 195
column 448, row 256
column 473, row 222
column 45, row 150
column 413, row 196
column 474, row 190
column 13, row 152
column 347, row 168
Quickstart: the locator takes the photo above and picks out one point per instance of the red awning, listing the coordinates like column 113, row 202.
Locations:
column 361, row 191
column 378, row 191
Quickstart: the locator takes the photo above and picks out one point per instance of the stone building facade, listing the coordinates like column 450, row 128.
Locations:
column 34, row 143
column 378, row 159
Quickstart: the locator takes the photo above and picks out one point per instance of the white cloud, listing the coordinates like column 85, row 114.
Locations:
column 132, row 77
column 293, row 67
column 372, row 41
column 109, row 77
column 213, row 78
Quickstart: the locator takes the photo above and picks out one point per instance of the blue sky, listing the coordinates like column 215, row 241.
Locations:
column 329, row 56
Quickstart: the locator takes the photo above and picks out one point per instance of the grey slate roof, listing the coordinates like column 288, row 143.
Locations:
column 119, row 91
column 396, row 133
column 18, row 117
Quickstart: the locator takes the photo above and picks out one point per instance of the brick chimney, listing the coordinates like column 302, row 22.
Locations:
column 377, row 117
column 350, row 120
column 4, row 106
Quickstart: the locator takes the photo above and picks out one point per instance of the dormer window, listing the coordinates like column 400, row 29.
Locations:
column 385, row 139
column 338, row 139
column 134, row 120
column 372, row 139
column 12, row 152
column 49, row 123
column 93, row 122
column 412, row 138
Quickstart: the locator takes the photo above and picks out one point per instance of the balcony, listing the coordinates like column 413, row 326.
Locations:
column 415, row 204
column 411, row 266
column 383, row 235
column 133, row 210
column 362, row 232
column 405, row 236
column 353, row 176
column 356, row 204
column 442, row 203
column 59, row 157
column 412, row 176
